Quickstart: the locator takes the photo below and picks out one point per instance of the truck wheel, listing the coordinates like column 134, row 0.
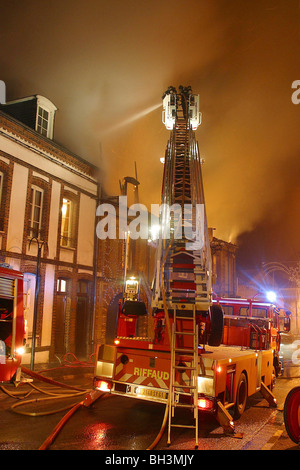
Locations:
column 216, row 326
column 291, row 414
column 241, row 396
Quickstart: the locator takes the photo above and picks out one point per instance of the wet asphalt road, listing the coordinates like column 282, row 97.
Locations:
column 117, row 423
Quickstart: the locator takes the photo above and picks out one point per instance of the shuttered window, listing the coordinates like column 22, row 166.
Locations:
column 7, row 288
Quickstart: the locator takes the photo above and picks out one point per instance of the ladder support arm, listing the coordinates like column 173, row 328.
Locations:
column 268, row 395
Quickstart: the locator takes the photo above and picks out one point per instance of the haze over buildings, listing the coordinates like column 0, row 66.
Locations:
column 105, row 66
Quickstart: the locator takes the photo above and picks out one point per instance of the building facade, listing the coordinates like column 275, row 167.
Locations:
column 119, row 259
column 48, row 200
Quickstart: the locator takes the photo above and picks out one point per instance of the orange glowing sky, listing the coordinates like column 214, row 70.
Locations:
column 105, row 65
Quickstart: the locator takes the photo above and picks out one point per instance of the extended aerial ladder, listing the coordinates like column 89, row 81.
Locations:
column 184, row 251
column 182, row 287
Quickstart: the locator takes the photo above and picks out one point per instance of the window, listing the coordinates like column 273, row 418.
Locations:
column 83, row 287
column 42, row 121
column 45, row 113
column 244, row 311
column 69, row 219
column 227, row 309
column 61, row 285
column 66, row 223
column 259, row 312
column 36, row 204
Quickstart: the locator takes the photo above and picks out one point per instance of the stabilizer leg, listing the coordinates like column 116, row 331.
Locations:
column 268, row 395
column 225, row 420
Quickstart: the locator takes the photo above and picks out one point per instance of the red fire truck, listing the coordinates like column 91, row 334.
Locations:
column 254, row 324
column 183, row 363
column 225, row 376
column 11, row 324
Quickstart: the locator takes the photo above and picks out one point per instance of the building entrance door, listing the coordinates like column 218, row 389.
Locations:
column 83, row 315
column 63, row 304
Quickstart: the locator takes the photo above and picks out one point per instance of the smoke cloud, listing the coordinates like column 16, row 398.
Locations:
column 106, row 65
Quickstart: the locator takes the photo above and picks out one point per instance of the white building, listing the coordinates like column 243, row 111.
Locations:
column 49, row 195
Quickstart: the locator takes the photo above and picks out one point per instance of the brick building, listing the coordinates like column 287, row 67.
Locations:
column 48, row 198
column 113, row 254
column 223, row 266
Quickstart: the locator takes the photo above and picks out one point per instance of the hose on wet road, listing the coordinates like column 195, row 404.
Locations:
column 89, row 398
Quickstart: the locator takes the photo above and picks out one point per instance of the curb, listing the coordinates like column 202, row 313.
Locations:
column 276, row 436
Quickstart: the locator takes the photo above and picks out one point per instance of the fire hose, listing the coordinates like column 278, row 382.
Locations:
column 162, row 429
column 90, row 397
column 77, row 391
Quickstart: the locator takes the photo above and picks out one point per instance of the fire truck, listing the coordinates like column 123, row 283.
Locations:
column 183, row 364
column 254, row 324
column 12, row 330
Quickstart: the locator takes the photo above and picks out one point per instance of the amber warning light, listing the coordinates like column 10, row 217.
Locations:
column 102, row 385
column 205, row 404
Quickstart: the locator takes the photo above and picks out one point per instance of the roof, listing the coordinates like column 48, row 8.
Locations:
column 22, row 110
column 25, row 109
column 18, row 117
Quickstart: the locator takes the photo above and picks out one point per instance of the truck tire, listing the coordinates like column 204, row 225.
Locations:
column 241, row 396
column 291, row 413
column 216, row 326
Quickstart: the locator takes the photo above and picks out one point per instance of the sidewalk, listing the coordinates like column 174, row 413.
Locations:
column 63, row 372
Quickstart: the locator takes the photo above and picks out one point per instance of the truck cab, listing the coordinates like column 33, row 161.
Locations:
column 12, row 330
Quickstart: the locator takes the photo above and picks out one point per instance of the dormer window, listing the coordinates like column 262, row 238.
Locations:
column 42, row 121
column 45, row 116
column 36, row 112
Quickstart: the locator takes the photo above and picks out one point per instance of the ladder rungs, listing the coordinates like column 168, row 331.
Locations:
column 190, row 351
column 185, row 368
column 183, row 426
column 182, row 405
column 191, row 333
column 184, row 386
column 188, row 317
